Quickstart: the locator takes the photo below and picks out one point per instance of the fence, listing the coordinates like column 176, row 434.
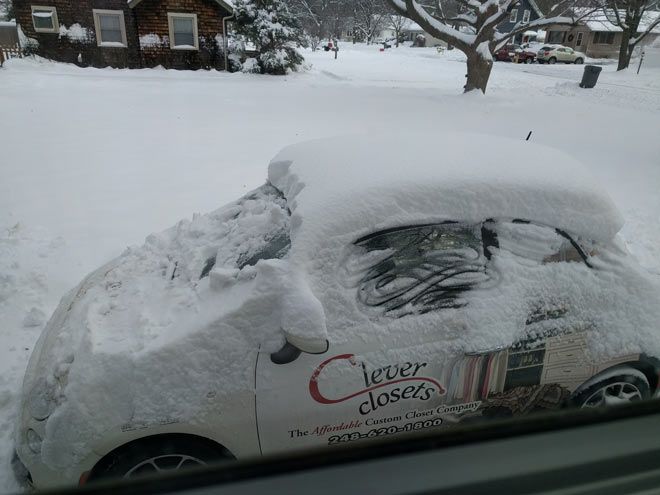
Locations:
column 11, row 51
column 9, row 41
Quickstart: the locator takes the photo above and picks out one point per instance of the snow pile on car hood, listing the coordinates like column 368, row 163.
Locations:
column 359, row 184
column 149, row 336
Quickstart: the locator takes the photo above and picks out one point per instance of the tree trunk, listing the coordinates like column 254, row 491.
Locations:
column 624, row 51
column 478, row 72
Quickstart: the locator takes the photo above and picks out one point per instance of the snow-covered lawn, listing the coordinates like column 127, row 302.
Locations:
column 92, row 161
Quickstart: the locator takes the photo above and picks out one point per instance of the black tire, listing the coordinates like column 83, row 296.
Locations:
column 156, row 454
column 552, row 60
column 529, row 60
column 626, row 386
column 579, row 61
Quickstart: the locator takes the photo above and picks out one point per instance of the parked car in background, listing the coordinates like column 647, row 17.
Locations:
column 514, row 53
column 557, row 53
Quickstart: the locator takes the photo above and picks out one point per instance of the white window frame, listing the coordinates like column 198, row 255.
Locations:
column 514, row 16
column 526, row 15
column 97, row 25
column 53, row 13
column 170, row 22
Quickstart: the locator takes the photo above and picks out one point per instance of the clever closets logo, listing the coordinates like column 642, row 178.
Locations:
column 382, row 386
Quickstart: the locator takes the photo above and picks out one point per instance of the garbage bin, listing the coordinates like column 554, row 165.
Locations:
column 590, row 76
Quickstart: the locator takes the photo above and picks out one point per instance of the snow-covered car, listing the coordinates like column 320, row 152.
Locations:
column 557, row 53
column 511, row 53
column 373, row 286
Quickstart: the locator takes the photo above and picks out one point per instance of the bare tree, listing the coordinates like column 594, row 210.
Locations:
column 320, row 18
column 636, row 20
column 397, row 23
column 368, row 18
column 471, row 26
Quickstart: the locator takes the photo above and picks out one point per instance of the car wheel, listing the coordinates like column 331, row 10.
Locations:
column 158, row 454
column 552, row 60
column 579, row 61
column 628, row 385
column 528, row 60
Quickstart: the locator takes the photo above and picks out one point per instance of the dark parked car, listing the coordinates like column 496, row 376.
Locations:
column 514, row 53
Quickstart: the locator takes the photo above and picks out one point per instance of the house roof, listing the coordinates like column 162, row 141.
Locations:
column 225, row 4
column 601, row 21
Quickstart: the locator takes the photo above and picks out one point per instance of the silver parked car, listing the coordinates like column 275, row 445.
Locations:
column 557, row 53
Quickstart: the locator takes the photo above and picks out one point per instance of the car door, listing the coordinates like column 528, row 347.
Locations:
column 560, row 53
column 570, row 55
column 382, row 383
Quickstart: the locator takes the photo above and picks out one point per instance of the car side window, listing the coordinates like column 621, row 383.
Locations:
column 537, row 242
column 414, row 270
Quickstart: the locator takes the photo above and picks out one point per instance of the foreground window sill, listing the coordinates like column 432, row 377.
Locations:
column 185, row 47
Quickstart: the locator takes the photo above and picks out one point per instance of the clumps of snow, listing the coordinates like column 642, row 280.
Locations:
column 349, row 186
column 206, row 294
column 76, row 33
column 343, row 188
column 25, row 41
column 251, row 66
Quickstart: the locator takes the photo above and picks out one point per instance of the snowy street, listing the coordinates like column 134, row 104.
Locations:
column 94, row 160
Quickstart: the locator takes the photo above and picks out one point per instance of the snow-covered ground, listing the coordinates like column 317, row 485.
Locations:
column 91, row 161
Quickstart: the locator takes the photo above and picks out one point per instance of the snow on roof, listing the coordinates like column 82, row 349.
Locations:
column 7, row 23
column 351, row 186
column 410, row 25
column 600, row 21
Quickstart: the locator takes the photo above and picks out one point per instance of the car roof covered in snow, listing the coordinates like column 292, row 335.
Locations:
column 350, row 186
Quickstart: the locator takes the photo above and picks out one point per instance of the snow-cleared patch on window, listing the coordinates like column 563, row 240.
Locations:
column 76, row 32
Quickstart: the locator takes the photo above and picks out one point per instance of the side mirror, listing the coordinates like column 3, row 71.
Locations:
column 310, row 345
column 296, row 345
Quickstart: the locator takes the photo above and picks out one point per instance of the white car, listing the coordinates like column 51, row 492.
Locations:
column 557, row 53
column 372, row 287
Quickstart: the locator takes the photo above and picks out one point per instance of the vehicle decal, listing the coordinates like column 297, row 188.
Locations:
column 373, row 379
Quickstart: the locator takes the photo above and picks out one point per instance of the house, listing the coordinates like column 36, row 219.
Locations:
column 596, row 36
column 411, row 30
column 524, row 12
column 179, row 34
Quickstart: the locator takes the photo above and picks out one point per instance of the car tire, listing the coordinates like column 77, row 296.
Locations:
column 552, row 60
column 579, row 61
column 528, row 60
column 624, row 386
column 162, row 453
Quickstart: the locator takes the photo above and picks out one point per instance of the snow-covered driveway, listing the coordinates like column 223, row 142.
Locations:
column 92, row 161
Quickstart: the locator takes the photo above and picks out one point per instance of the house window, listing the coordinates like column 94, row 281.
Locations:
column 526, row 15
column 110, row 28
column 44, row 19
column 183, row 31
column 578, row 41
column 514, row 16
column 555, row 37
column 603, row 38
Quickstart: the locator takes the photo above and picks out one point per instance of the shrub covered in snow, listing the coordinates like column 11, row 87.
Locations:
column 275, row 32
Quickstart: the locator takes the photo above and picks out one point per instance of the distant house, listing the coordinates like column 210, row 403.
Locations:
column 180, row 34
column 596, row 36
column 524, row 12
